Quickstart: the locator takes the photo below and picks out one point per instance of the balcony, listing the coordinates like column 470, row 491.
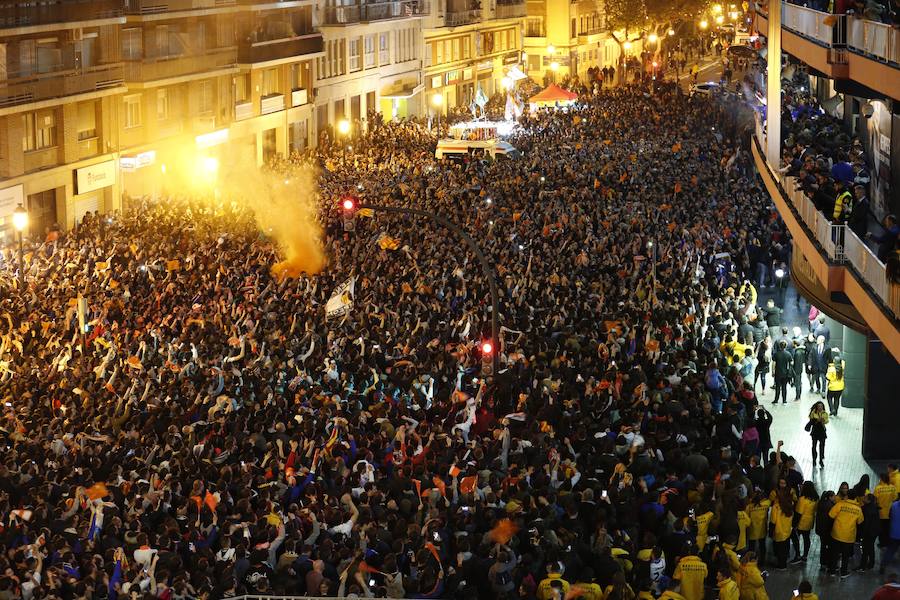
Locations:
column 836, row 256
column 298, row 46
column 152, row 7
column 373, row 11
column 461, row 17
column 510, row 11
column 154, row 69
column 849, row 48
column 27, row 13
column 60, row 84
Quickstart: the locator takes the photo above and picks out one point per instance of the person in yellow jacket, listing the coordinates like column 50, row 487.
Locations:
column 547, row 588
column 728, row 587
column 835, row 377
column 894, row 476
column 782, row 527
column 806, row 593
column 743, row 525
column 847, row 516
column 691, row 572
column 758, row 509
column 727, row 548
column 885, row 495
column 750, row 580
column 703, row 520
column 805, row 519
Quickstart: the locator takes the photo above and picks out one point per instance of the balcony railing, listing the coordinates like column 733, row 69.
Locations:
column 812, row 24
column 373, row 11
column 462, row 17
column 275, row 49
column 878, row 40
column 59, row 84
column 152, row 69
column 509, row 11
column 24, row 13
column 149, row 7
column 839, row 243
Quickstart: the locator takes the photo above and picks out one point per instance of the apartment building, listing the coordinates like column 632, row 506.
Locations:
column 564, row 37
column 61, row 78
column 372, row 60
column 211, row 72
column 471, row 44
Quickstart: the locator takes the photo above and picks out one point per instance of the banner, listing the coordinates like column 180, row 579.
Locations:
column 387, row 242
column 341, row 300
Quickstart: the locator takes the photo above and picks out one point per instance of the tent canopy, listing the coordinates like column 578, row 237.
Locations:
column 553, row 94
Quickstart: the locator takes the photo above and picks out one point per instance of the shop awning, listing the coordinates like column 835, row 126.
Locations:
column 552, row 95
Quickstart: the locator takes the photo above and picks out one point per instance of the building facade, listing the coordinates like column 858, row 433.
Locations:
column 372, row 61
column 563, row 38
column 470, row 44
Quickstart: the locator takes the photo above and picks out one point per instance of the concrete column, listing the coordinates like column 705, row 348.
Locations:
column 882, row 411
column 854, row 351
column 773, row 86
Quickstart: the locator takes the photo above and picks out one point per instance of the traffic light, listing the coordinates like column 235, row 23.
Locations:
column 348, row 206
column 487, row 359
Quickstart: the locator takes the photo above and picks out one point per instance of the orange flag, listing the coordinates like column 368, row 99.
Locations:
column 440, row 485
column 503, row 531
column 96, row 491
column 467, row 484
column 211, row 501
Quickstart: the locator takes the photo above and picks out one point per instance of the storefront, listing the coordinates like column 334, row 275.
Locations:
column 93, row 189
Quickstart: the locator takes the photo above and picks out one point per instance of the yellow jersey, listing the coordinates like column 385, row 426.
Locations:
column 703, row 528
column 847, row 515
column 806, row 508
column 743, row 524
column 783, row 524
column 759, row 519
column 728, row 590
column 885, row 494
column 670, row 595
column 545, row 591
column 691, row 572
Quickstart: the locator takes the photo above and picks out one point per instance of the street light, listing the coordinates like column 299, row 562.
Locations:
column 704, row 24
column 719, row 19
column 437, row 101
column 20, row 222
column 343, row 127
column 671, row 32
column 652, row 38
column 627, row 45
column 551, row 49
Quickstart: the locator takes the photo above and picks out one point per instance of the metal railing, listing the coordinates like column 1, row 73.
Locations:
column 509, row 11
column 152, row 69
column 16, row 13
column 461, row 17
column 812, row 24
column 58, row 84
column 373, row 11
column 275, row 49
column 839, row 243
column 149, row 7
column 878, row 40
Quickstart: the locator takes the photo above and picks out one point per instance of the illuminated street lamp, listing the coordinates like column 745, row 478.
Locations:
column 733, row 15
column 437, row 101
column 20, row 222
column 343, row 127
column 627, row 45
column 671, row 32
column 554, row 66
column 719, row 19
column 652, row 38
column 551, row 49
column 704, row 24
column 717, row 8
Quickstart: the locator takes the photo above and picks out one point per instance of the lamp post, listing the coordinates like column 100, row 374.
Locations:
column 437, row 101
column 20, row 222
column 486, row 267
column 343, row 128
column 651, row 248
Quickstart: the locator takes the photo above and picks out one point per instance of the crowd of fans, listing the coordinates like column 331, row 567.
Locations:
column 213, row 434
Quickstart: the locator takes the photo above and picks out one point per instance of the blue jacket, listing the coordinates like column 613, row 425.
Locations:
column 895, row 520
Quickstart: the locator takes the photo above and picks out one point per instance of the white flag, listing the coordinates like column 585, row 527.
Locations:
column 341, row 300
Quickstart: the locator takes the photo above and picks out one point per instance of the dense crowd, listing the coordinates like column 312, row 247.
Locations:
column 213, row 434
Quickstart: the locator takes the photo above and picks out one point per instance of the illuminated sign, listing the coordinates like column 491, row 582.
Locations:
column 95, row 177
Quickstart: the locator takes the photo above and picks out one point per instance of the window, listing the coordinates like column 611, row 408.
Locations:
column 40, row 130
column 438, row 53
column 455, row 46
column 132, row 111
column 205, row 97
column 384, row 51
column 242, row 87
column 297, row 76
column 162, row 104
column 355, row 55
column 369, row 42
column 225, row 32
column 466, row 50
column 162, row 41
column 132, row 44
column 270, row 82
column 87, row 120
